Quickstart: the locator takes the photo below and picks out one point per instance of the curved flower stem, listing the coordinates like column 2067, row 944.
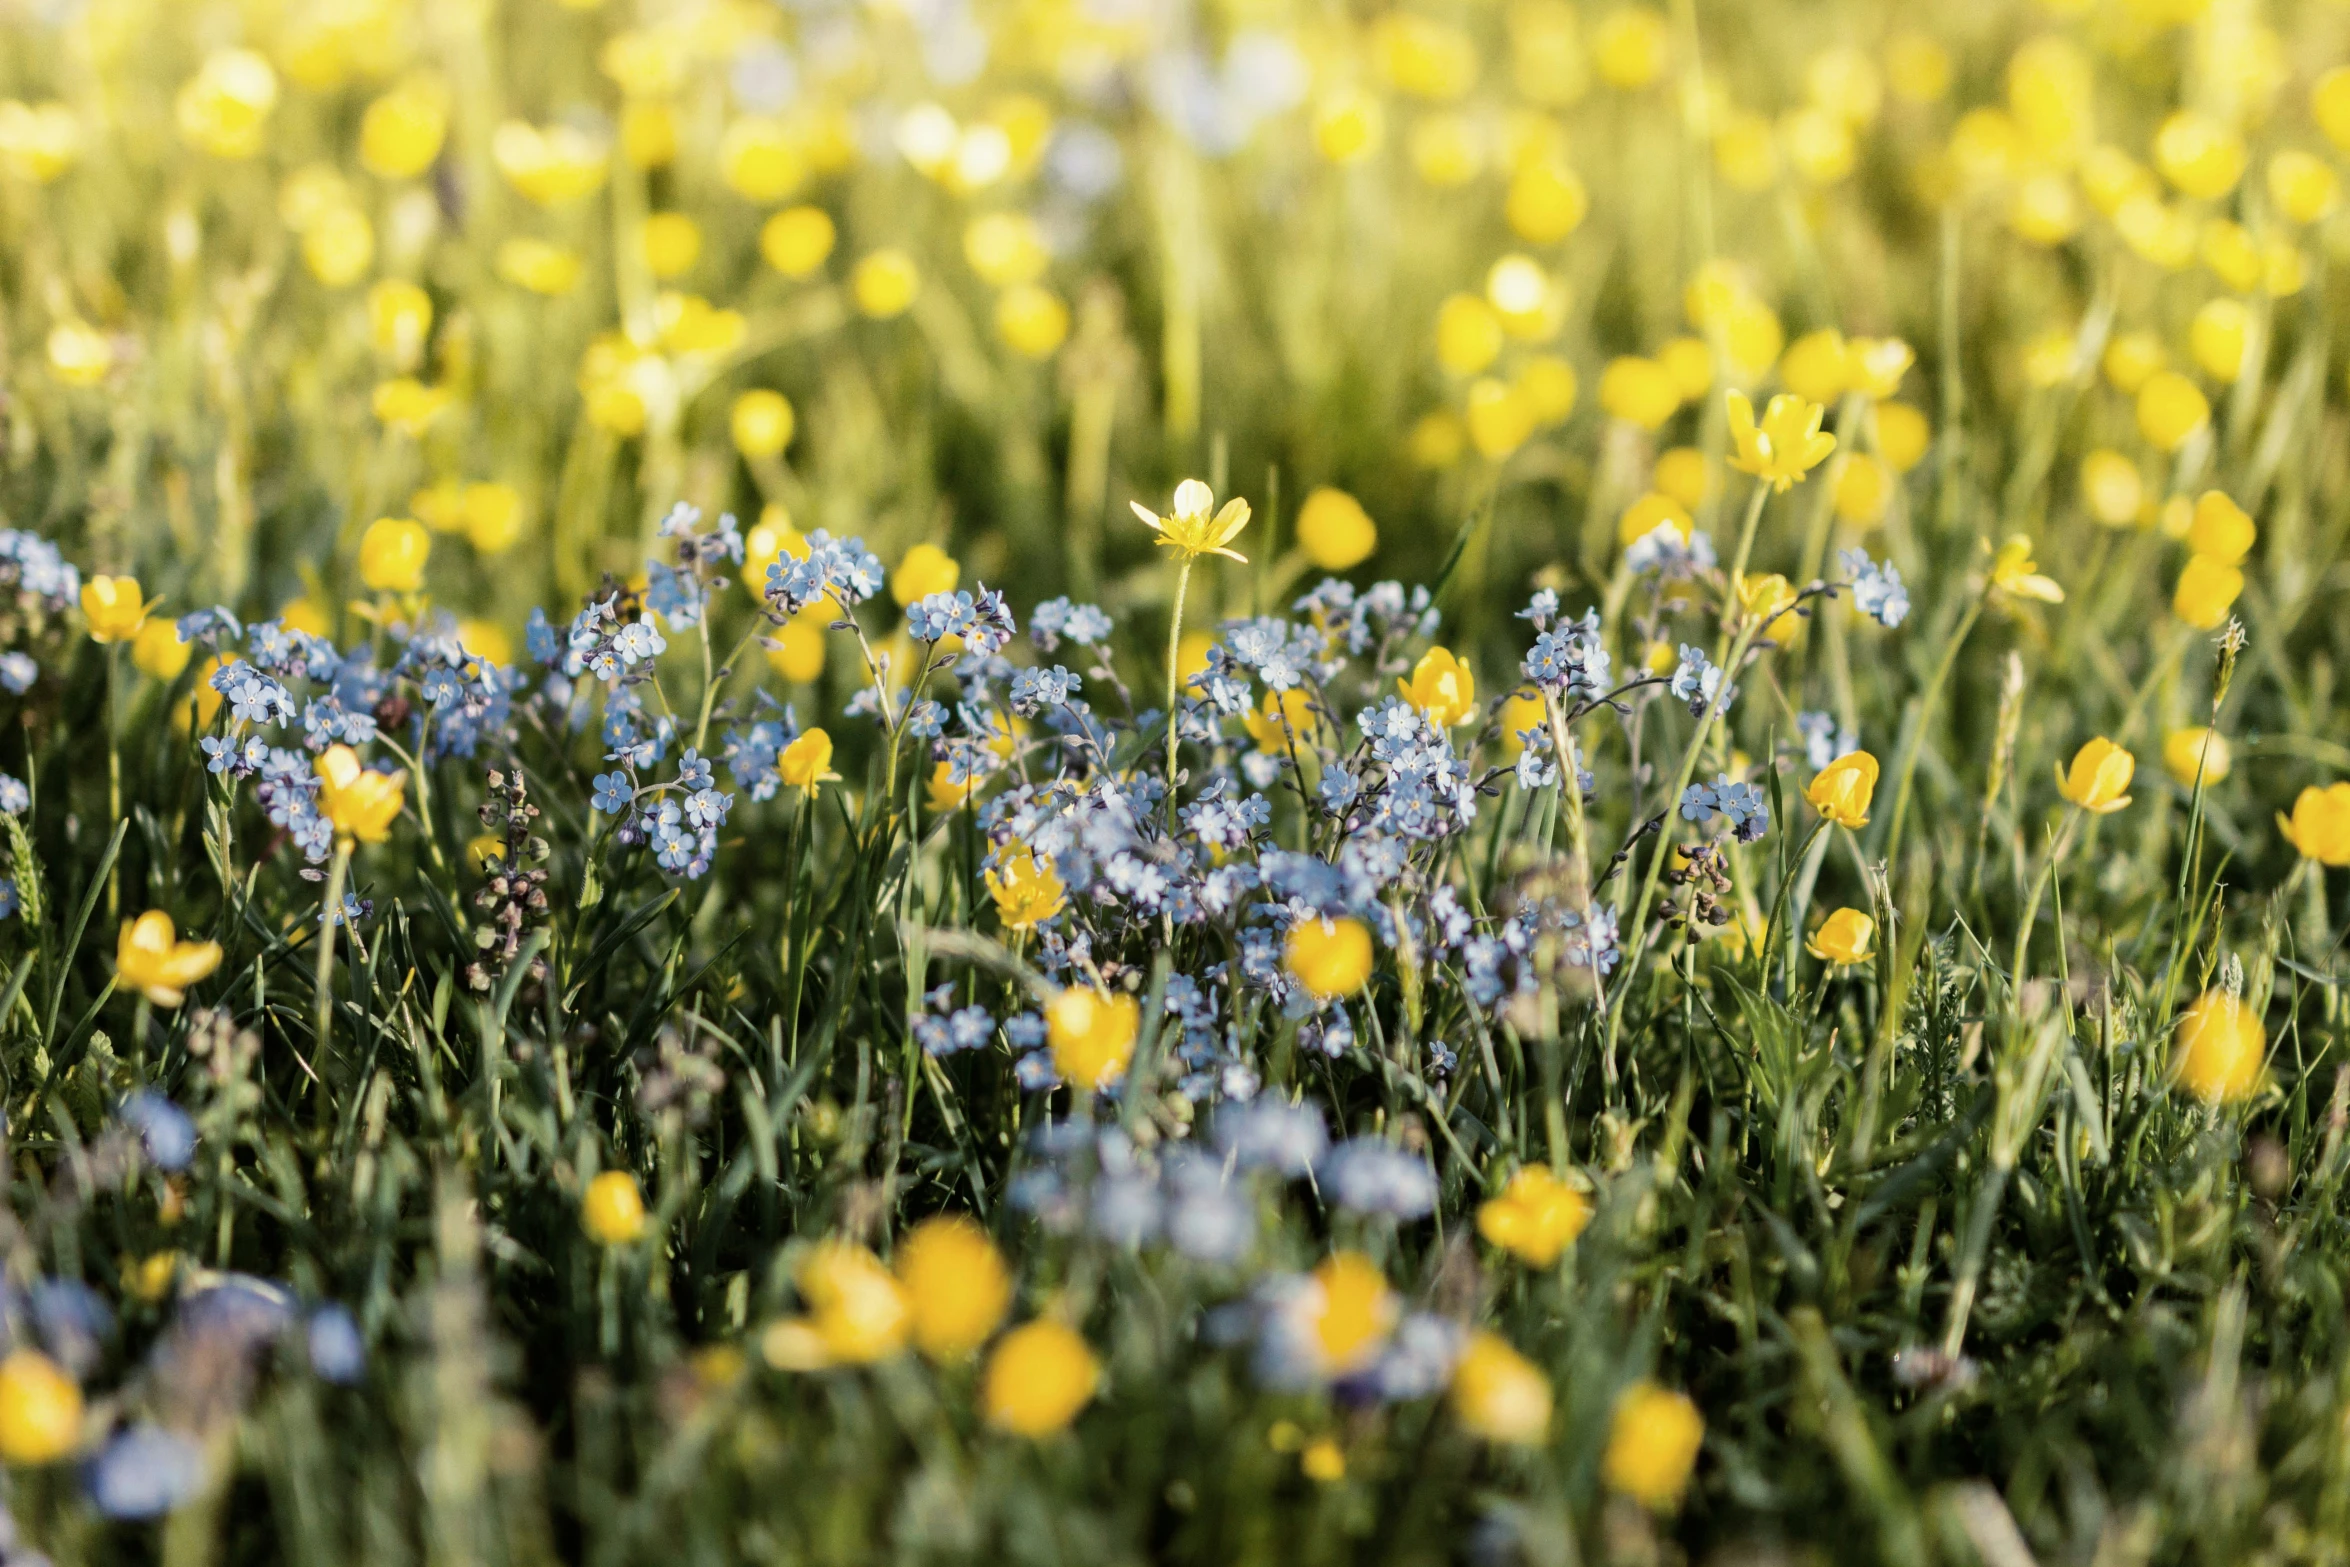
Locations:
column 1174, row 673
column 113, row 774
column 1913, row 741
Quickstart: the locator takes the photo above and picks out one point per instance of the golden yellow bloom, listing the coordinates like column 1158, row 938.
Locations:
column 670, row 243
column 399, row 319
column 38, row 141
column 1027, row 890
column 859, row 1310
column 2304, row 187
column 151, row 1277
column 1523, row 711
column 2196, row 752
column 1546, row 201
column 1770, row 598
column 539, row 266
column 1746, row 151
column 2217, row 338
column 1347, row 124
column 796, row 650
column 648, row 134
column 150, row 958
column 925, row 569
column 79, row 354
column 1334, row 530
column 493, row 517
column 1844, row 938
column 1787, row 445
column 763, row 423
column 1499, row 418
column 2221, row 531
column 2171, row 409
column 339, row 246
column 157, row 650
column 2099, row 778
column 1329, row 957
column 1843, row 788
column 1652, row 1444
column 1536, row 1217
column 1031, row 320
column 945, row 792
column 884, row 283
column 113, row 608
column 1680, row 474
column 2329, row 105
column 401, row 133
column 807, row 761
column 1902, row 435
column 408, row 405
column 360, row 802
column 1196, row 527
column 392, row 553
column 2014, row 571
column 1917, row 67
column 1819, row 145
column 1876, row 365
column 1649, row 513
column 2131, row 358
column 2320, row 824
column 760, row 159
column 2111, row 488
column 1323, row 1461
column 2207, row 590
column 1092, row 1035
column 1468, row 334
column 1038, row 1379
column 1815, row 366
column 798, row 240
column 1639, row 391
column 1499, row 1394
column 1349, row 1311
column 1442, row 687
column 1280, row 717
column 2219, row 1048
column 40, row 1409
column 1864, row 488
column 956, row 1284
column 1005, row 248
column 559, row 164
column 612, row 1210
column 1630, row 46
column 2199, row 154
column 224, row 108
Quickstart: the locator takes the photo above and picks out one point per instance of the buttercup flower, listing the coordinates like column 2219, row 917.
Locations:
column 1038, row 1379
column 1330, row 958
column 1536, row 1217
column 392, row 553
column 1027, row 890
column 2189, row 753
column 762, row 424
column 151, row 959
column 1787, row 445
column 1334, row 530
column 40, row 1409
column 2207, row 590
column 360, row 802
column 158, row 650
column 807, row 761
column 2014, row 571
column 1092, row 1035
column 1499, row 1394
column 858, row 1310
column 2219, row 1048
column 926, row 569
column 1196, row 526
column 1652, row 1445
column 612, row 1210
column 1350, row 1311
column 113, row 608
column 1843, row 788
column 1442, row 687
column 2099, row 777
column 1844, row 938
column 955, row 1282
column 2221, row 530
column 2320, row 824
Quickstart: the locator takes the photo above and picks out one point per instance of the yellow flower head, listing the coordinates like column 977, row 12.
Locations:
column 2222, row 531
column 1653, row 511
column 2219, row 1049
column 401, row 133
column 2171, row 409
column 926, row 569
column 1038, row 1379
column 1536, row 1217
column 1334, row 530
column 945, row 792
column 1092, row 1035
column 2207, row 590
column 2099, row 779
column 150, row 958
column 1197, row 527
column 392, row 553
column 1330, row 958
column 1787, row 444
column 1638, row 391
column 360, row 802
column 762, row 424
column 1281, row 717
column 113, row 608
column 1652, row 1445
column 1844, row 938
column 612, row 1210
column 1770, row 599
column 807, row 761
column 2014, row 571
column 2196, row 752
column 884, row 283
column 859, row 1310
column 798, row 240
column 158, row 651
column 40, row 1409
column 2320, row 824
column 1875, row 365
column 1499, row 1394
column 1842, row 790
column 955, row 1281
column 1349, row 1311
column 1027, row 889
column 1442, row 687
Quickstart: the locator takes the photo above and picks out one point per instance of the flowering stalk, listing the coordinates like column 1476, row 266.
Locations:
column 1174, row 672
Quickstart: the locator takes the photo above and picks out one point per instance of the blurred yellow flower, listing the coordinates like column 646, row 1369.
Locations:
column 2111, row 488
column 149, row 958
column 38, row 141
column 1814, row 366
column 1630, row 46
column 1875, row 365
column 1844, row 938
column 1523, row 711
column 956, row 1284
column 2190, row 753
column 113, row 608
column 224, row 109
column 807, row 761
column 1006, row 248
column 1499, row 1394
column 1442, row 687
column 762, row 423
column 2320, row 824
column 2207, row 590
column 361, row 803
column 1819, row 145
column 2099, row 778
column 1864, row 488
column 79, row 354
column 1917, row 67
column 2219, row 1048
column 408, row 405
column 1031, row 320
column 1638, row 391
column 2171, row 409
column 2217, row 338
column 1903, row 435
column 884, row 283
column 1770, row 599
column 859, row 1310
column 1842, row 790
column 1652, row 1445
column 158, row 651
column 539, row 266
column 1690, row 362
column 1092, row 1035
column 1546, row 201
column 2013, row 570
column 399, row 319
column 2199, row 154
column 760, row 160
column 553, row 166
column 2131, row 358
column 392, row 553
column 648, row 134
column 339, row 246
column 796, row 649
column 1498, row 417
column 1446, row 149
column 492, row 515
column 40, row 1409
column 1536, row 1217
column 1468, row 334
column 1027, row 889
column 1329, row 957
column 798, row 240
column 1280, row 717
column 1653, row 511
column 1323, row 1461
column 923, row 570
column 1787, row 444
column 1038, row 1379
column 1680, row 475
column 671, row 243
column 2222, row 531
column 1334, row 530
column 401, row 133
column 612, row 1210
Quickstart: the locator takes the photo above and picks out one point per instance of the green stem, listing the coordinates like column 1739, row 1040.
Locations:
column 329, row 908
column 1174, row 670
column 1915, row 739
column 113, row 775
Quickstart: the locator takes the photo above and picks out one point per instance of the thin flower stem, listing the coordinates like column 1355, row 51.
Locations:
column 330, row 910
column 1174, row 671
column 113, row 774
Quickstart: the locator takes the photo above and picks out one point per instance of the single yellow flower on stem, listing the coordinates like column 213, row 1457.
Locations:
column 2207, row 590
column 150, row 958
column 2099, row 778
column 1092, row 1035
column 2219, row 1048
column 1331, row 958
column 1442, row 687
column 1652, row 1445
column 1197, row 527
column 858, row 1308
column 2221, row 531
column 1842, row 791
column 1499, row 1394
column 1334, row 530
column 956, row 1283
column 360, row 802
column 2320, row 824
column 1038, row 1379
column 158, row 651
column 2014, row 571
column 392, row 553
column 612, row 1210
column 1027, row 889
column 2196, row 752
column 807, row 761
column 40, row 1409
column 1770, row 599
column 1844, row 938
column 1536, row 1217
column 114, row 608
column 1787, row 444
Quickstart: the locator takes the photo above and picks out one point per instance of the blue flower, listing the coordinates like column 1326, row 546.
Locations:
column 337, row 1354
column 165, row 1131
column 145, row 1472
column 613, row 792
column 18, row 672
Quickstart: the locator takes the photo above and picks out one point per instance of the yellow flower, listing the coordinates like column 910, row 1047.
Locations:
column 1902, row 435
column 1442, row 687
column 648, row 134
column 1547, row 385
column 2320, row 824
column 2199, row 154
column 763, row 423
column 671, row 243
column 1323, row 1461
column 1536, row 1217
column 399, row 318
column 2207, row 590
column 1546, row 201
column 2217, row 338
column 1027, row 890
column 401, row 132
column 2304, row 187
column 2221, row 530
column 924, row 570
column 1630, row 46
column 408, row 405
column 1038, row 1379
column 1770, row 598
column 884, row 283
column 2171, row 409
column 1031, row 320
column 1864, row 488
column 1499, row 418
column 1349, row 1310
column 1786, row 446
column 1280, row 717
column 2099, row 778
column 1638, row 391
column 956, row 1284
column 1815, row 366
column 860, row 1312
column 798, row 240
column 1523, row 711
column 1468, row 334
column 2219, row 1049
column 1092, row 1035
column 550, row 167
column 38, row 141
column 796, row 651
column 2197, row 751
column 946, row 792
column 360, row 802
column 492, row 516
column 2111, row 488
column 40, row 1409
column 538, row 265
column 2014, row 571
column 612, row 1210
column 1334, row 530
column 1347, row 125
column 113, row 608
column 1197, row 527
column 158, row 650
column 1499, row 1394
column 224, row 108
column 1330, row 958
column 1841, row 791
column 150, row 958
column 1653, row 511
column 80, row 354
column 760, row 159
column 1844, row 938
column 2131, row 358
column 392, row 553
column 1652, row 1444
column 807, row 761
